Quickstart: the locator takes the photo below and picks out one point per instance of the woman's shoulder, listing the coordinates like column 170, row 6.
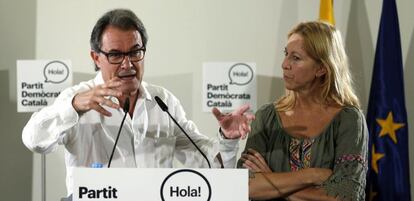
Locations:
column 351, row 113
column 266, row 114
column 266, row 110
column 352, row 120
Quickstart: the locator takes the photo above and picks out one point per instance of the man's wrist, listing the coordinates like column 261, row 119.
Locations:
column 222, row 134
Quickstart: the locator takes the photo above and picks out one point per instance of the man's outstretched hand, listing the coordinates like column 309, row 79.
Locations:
column 235, row 124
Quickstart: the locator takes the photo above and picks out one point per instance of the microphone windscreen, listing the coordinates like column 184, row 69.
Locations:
column 161, row 103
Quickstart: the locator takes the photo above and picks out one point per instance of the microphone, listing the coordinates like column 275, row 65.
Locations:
column 164, row 108
column 126, row 109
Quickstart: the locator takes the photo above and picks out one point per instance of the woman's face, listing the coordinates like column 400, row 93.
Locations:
column 300, row 71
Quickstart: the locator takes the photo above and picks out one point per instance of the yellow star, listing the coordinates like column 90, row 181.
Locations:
column 372, row 193
column 388, row 127
column 375, row 158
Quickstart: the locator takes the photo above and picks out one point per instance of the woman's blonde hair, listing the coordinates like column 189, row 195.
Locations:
column 323, row 43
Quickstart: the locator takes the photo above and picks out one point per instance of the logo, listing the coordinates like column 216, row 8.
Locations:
column 185, row 184
column 240, row 74
column 56, row 72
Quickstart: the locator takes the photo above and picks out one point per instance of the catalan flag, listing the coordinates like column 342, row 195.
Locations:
column 326, row 11
column 388, row 173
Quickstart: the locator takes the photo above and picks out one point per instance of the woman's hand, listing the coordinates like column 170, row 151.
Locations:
column 320, row 175
column 254, row 161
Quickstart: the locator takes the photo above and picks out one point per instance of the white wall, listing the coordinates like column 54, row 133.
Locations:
column 17, row 40
column 185, row 33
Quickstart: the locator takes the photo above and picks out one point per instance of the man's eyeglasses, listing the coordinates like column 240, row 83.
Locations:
column 118, row 57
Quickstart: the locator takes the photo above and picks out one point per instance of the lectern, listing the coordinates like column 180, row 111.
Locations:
column 155, row 184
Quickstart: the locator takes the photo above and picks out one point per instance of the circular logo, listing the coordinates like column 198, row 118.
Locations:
column 240, row 74
column 55, row 72
column 185, row 184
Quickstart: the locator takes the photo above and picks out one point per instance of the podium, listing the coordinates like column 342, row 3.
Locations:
column 160, row 184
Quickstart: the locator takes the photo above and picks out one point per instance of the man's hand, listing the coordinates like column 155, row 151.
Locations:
column 94, row 98
column 235, row 124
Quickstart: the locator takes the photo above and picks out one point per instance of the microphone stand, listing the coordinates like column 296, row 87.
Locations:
column 164, row 108
column 126, row 108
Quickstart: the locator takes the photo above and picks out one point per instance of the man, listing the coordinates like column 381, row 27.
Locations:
column 85, row 118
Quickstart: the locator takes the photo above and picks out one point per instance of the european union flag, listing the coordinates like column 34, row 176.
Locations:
column 388, row 174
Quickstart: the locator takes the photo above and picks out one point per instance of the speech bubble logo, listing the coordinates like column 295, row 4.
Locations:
column 185, row 184
column 56, row 72
column 240, row 74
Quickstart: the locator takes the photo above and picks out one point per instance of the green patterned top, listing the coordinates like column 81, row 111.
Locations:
column 342, row 147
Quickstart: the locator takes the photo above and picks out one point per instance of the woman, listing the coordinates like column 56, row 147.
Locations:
column 311, row 144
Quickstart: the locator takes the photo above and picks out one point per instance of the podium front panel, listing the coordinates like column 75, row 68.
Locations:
column 155, row 184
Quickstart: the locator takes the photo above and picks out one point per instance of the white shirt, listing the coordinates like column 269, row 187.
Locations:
column 149, row 139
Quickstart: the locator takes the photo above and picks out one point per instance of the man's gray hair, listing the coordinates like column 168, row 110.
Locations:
column 124, row 19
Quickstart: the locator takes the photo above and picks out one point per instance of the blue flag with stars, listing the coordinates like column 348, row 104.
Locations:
column 388, row 174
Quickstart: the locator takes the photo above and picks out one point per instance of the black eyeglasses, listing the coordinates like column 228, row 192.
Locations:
column 118, row 57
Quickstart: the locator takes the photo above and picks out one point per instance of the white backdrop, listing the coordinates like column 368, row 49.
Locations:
column 185, row 33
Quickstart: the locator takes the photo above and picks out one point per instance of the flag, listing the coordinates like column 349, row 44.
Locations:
column 388, row 174
column 326, row 11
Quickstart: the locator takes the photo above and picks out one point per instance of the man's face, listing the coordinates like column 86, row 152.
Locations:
column 113, row 41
